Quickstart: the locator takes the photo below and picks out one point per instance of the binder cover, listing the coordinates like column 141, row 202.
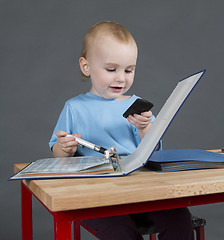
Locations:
column 184, row 159
column 148, row 144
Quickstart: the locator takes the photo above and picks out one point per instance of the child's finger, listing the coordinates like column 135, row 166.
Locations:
column 61, row 134
column 147, row 114
column 71, row 137
column 68, row 144
column 75, row 135
column 142, row 118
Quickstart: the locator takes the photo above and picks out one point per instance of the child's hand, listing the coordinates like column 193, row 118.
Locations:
column 65, row 146
column 141, row 122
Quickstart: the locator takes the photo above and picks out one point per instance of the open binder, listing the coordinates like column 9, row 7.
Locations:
column 102, row 168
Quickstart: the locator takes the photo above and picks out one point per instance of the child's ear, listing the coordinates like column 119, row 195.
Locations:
column 84, row 66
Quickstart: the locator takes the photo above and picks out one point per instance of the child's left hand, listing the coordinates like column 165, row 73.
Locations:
column 141, row 122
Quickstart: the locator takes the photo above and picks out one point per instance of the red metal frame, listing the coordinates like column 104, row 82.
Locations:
column 152, row 236
column 63, row 219
column 26, row 206
column 76, row 225
column 62, row 226
column 200, row 233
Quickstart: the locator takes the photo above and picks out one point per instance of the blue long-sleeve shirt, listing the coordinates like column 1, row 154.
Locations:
column 99, row 121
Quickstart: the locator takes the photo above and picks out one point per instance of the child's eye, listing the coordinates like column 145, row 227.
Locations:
column 111, row 69
column 128, row 71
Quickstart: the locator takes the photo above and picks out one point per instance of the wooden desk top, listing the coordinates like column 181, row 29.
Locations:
column 140, row 186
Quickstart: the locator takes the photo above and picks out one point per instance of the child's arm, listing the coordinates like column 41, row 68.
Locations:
column 141, row 122
column 65, row 146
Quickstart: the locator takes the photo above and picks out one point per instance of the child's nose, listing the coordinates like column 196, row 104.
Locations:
column 120, row 77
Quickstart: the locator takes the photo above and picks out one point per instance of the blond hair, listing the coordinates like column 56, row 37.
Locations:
column 106, row 28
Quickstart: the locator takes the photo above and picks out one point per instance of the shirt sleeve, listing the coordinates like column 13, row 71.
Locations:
column 64, row 123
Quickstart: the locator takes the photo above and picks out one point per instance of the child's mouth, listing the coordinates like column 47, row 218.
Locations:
column 116, row 89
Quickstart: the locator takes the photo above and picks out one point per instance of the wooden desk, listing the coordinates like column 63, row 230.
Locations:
column 75, row 199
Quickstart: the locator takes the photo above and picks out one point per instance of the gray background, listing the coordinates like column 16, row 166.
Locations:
column 40, row 46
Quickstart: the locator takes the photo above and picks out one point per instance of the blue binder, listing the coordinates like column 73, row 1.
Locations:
column 184, row 159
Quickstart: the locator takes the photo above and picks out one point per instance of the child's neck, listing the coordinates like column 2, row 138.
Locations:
column 122, row 97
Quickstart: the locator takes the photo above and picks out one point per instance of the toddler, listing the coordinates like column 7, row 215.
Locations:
column 108, row 58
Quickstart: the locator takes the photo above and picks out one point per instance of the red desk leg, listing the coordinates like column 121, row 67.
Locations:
column 26, row 205
column 200, row 233
column 77, row 235
column 62, row 226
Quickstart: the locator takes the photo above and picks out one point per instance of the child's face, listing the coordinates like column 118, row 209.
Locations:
column 111, row 66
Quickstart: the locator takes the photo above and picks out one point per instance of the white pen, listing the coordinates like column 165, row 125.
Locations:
column 88, row 144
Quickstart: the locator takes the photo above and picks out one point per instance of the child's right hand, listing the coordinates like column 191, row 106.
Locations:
column 65, row 146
